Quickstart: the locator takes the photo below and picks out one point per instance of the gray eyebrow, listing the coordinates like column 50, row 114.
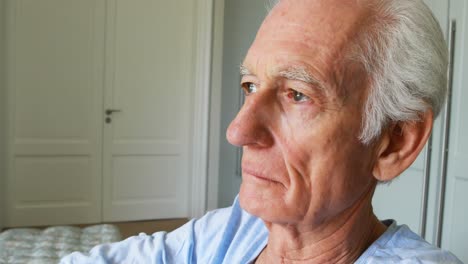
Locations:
column 244, row 70
column 300, row 74
column 292, row 73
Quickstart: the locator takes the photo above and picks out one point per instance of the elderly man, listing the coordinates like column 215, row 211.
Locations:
column 340, row 95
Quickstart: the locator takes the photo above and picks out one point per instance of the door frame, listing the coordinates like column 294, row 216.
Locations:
column 215, row 131
column 201, row 114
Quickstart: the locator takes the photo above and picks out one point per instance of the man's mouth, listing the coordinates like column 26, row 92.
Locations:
column 256, row 174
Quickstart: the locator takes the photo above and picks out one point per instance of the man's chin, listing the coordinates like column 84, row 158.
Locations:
column 251, row 202
column 259, row 204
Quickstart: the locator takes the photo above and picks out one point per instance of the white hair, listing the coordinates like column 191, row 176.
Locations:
column 403, row 52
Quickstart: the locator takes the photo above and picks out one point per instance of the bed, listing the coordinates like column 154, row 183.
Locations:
column 41, row 246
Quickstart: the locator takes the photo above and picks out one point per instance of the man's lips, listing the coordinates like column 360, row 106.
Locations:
column 256, row 174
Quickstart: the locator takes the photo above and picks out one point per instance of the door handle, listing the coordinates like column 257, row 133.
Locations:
column 110, row 111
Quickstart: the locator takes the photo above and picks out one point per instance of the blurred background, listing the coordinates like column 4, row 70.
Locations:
column 115, row 111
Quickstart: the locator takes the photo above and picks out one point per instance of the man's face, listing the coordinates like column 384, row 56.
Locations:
column 301, row 119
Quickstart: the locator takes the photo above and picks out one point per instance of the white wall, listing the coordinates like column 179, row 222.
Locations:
column 2, row 112
column 242, row 18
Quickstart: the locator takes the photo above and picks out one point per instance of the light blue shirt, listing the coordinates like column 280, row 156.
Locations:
column 231, row 235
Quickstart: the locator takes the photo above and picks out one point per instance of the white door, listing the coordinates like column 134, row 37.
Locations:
column 455, row 230
column 412, row 191
column 149, row 80
column 406, row 191
column 54, row 81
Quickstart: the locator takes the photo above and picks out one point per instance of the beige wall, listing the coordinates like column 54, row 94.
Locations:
column 2, row 112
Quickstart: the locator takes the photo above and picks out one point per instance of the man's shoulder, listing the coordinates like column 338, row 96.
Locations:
column 228, row 235
column 233, row 216
column 231, row 235
column 401, row 245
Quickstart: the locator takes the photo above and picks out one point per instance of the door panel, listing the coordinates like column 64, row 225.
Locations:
column 455, row 230
column 149, row 78
column 54, row 76
column 406, row 192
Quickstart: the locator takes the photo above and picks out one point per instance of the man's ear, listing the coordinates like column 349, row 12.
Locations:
column 400, row 145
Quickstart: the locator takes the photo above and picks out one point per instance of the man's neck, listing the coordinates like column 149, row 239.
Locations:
column 339, row 240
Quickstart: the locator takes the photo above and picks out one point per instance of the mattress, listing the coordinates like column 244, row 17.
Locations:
column 40, row 246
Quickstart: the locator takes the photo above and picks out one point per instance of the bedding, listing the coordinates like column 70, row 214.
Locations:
column 41, row 246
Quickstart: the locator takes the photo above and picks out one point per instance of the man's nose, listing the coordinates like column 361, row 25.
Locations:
column 252, row 125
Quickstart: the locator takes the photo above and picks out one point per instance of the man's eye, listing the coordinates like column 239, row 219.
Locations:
column 298, row 96
column 250, row 88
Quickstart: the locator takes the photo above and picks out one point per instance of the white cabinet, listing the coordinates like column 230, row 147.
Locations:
column 401, row 199
column 68, row 62
column 441, row 214
column 454, row 230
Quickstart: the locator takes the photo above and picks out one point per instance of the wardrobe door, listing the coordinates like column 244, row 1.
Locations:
column 411, row 198
column 149, row 103
column 54, row 75
column 454, row 229
column 401, row 199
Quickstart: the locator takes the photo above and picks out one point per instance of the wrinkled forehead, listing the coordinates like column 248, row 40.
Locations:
column 321, row 27
column 313, row 34
column 339, row 16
